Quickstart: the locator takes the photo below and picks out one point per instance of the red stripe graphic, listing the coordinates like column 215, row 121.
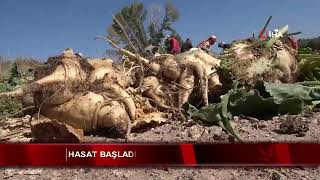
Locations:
column 147, row 155
column 188, row 154
column 283, row 153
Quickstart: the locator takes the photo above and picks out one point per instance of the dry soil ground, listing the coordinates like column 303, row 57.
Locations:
column 276, row 129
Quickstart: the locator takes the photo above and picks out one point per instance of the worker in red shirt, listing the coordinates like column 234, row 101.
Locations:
column 293, row 45
column 206, row 44
column 293, row 42
column 172, row 45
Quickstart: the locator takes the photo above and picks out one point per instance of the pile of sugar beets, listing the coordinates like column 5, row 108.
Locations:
column 76, row 95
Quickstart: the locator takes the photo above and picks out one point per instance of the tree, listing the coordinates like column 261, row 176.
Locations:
column 132, row 19
column 14, row 75
column 141, row 33
column 157, row 34
column 313, row 43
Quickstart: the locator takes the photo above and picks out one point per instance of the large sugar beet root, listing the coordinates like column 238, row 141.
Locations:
column 85, row 95
column 89, row 111
column 56, row 82
column 249, row 62
column 100, row 69
column 105, row 70
column 188, row 69
column 156, row 92
column 105, row 77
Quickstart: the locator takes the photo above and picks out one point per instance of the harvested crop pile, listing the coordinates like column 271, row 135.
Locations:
column 90, row 95
column 185, row 72
column 87, row 95
column 248, row 61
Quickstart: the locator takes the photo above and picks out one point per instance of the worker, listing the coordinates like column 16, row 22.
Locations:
column 224, row 45
column 293, row 42
column 206, row 44
column 172, row 45
column 187, row 45
column 290, row 43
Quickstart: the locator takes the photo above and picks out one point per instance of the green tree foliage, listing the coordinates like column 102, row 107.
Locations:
column 166, row 26
column 305, row 50
column 14, row 75
column 141, row 32
column 10, row 106
column 132, row 19
column 313, row 43
column 155, row 34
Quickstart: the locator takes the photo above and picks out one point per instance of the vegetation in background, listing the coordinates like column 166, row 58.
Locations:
column 306, row 50
column 12, row 74
column 264, row 99
column 143, row 27
column 309, row 58
column 10, row 106
column 313, row 43
column 158, row 29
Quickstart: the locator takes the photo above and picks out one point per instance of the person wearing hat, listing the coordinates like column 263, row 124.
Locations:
column 172, row 45
column 206, row 44
column 186, row 45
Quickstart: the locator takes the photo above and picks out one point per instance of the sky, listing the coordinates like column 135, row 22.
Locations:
column 43, row 28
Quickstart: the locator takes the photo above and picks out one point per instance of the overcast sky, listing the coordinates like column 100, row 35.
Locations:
column 42, row 28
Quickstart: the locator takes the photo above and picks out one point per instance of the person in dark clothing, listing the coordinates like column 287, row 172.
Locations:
column 167, row 43
column 186, row 45
column 224, row 45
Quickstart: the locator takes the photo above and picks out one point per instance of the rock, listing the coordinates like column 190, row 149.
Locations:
column 36, row 171
column 157, row 131
column 278, row 176
column 294, row 125
column 183, row 133
column 236, row 118
column 222, row 137
column 87, row 170
column 190, row 123
column 125, row 175
column 314, row 121
column 215, row 131
column 245, row 129
column 194, row 132
column 262, row 124
column 9, row 173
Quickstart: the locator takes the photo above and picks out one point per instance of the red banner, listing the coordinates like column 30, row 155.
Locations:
column 159, row 155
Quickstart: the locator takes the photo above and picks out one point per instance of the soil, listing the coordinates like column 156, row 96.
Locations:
column 284, row 128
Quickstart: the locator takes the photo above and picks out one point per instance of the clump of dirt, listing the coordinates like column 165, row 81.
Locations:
column 46, row 130
column 294, row 125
